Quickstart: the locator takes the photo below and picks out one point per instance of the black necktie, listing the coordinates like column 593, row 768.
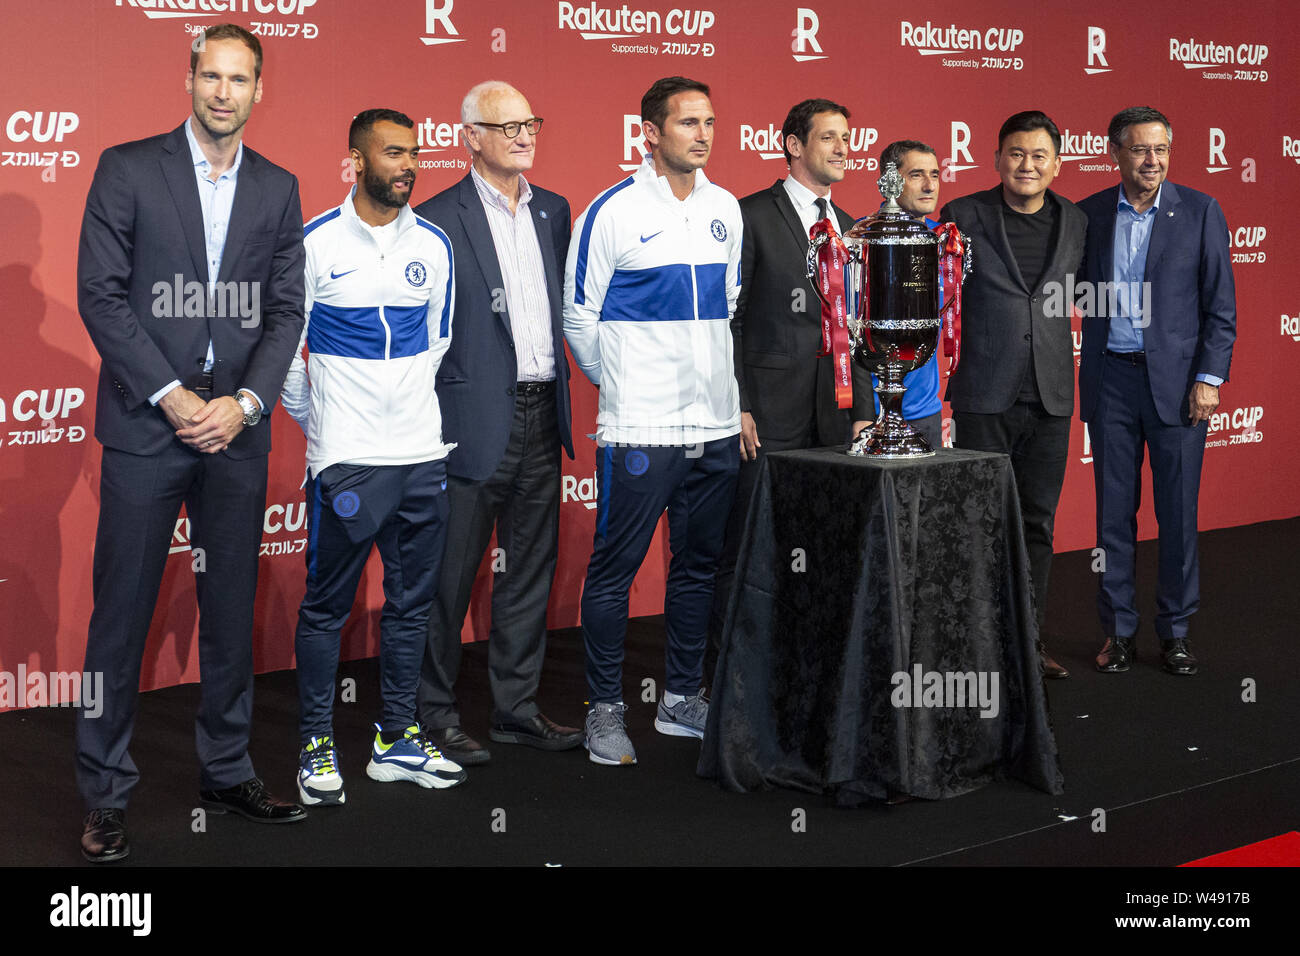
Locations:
column 821, row 208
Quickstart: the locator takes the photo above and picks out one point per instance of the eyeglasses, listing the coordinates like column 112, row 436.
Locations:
column 511, row 130
column 1138, row 152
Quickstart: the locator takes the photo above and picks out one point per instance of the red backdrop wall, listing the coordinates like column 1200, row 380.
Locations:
column 81, row 75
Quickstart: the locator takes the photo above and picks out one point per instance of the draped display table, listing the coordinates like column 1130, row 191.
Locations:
column 880, row 639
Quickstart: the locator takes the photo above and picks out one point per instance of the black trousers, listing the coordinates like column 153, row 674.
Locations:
column 140, row 499
column 522, row 501
column 1039, row 446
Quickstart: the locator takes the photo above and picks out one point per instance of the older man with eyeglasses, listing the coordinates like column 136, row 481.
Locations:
column 503, row 388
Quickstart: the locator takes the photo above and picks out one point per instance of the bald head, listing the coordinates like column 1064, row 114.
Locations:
column 497, row 157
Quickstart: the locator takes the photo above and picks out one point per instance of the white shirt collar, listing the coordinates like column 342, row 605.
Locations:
column 496, row 196
column 800, row 195
column 200, row 160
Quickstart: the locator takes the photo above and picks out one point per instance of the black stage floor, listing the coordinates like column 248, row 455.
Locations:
column 1181, row 767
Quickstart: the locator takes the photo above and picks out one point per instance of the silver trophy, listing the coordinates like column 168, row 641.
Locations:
column 892, row 302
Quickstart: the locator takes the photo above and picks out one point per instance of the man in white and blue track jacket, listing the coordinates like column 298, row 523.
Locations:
column 650, row 286
column 380, row 297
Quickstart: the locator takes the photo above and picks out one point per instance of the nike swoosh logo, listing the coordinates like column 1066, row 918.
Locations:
column 651, row 236
column 340, row 275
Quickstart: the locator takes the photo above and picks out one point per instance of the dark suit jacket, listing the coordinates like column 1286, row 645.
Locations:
column 783, row 382
column 1193, row 322
column 476, row 381
column 1002, row 317
column 143, row 228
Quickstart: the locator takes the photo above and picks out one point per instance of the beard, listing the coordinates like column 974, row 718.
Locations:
column 382, row 192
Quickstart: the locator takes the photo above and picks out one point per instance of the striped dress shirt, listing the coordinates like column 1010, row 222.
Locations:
column 524, row 275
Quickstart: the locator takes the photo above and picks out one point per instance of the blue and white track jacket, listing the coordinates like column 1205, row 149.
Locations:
column 649, row 290
column 377, row 329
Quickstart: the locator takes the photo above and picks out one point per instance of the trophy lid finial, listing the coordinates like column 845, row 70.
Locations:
column 890, row 185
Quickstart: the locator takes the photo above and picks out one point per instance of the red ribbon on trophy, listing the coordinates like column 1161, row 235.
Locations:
column 951, row 250
column 832, row 258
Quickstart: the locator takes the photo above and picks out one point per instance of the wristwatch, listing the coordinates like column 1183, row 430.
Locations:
column 252, row 410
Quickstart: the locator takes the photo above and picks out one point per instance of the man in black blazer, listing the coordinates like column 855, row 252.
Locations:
column 787, row 391
column 503, row 388
column 190, row 283
column 1149, row 375
column 1014, row 390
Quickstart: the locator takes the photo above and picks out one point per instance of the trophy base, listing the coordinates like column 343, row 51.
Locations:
column 890, row 441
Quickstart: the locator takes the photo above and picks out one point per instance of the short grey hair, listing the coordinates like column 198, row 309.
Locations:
column 471, row 108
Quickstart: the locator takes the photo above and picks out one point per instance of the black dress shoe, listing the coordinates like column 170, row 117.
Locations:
column 103, row 837
column 540, row 732
column 1178, row 659
column 251, row 799
column 459, row 746
column 1116, row 655
column 1051, row 670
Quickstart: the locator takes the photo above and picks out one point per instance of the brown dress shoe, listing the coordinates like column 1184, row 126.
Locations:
column 1116, row 655
column 1051, row 669
column 103, row 836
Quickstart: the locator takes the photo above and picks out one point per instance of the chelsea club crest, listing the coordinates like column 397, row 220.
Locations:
column 416, row 273
column 719, row 230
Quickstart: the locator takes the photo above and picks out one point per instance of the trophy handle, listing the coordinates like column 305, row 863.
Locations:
column 810, row 264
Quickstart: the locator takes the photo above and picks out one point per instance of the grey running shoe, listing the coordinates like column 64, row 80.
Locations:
column 607, row 740
column 686, row 718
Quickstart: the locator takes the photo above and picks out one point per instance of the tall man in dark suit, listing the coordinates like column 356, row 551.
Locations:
column 1149, row 374
column 1014, row 390
column 787, row 391
column 190, row 283
column 504, row 392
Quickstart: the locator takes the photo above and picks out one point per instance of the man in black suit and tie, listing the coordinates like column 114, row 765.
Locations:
column 503, row 388
column 190, row 283
column 1014, row 390
column 787, row 391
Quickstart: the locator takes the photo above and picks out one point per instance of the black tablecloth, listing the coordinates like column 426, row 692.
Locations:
column 854, row 571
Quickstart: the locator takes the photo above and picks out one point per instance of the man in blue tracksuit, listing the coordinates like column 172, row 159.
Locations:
column 380, row 296
column 650, row 287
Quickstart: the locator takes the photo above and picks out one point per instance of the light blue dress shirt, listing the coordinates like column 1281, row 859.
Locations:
column 1131, row 243
column 217, row 199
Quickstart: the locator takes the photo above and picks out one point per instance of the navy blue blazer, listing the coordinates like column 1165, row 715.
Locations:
column 477, row 378
column 1193, row 321
column 143, row 228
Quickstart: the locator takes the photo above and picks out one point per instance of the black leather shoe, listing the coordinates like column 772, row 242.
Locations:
column 103, row 837
column 1178, row 659
column 1116, row 655
column 459, row 746
column 1051, row 670
column 540, row 732
column 251, row 799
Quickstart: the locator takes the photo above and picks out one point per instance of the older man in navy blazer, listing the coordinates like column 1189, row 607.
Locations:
column 1149, row 374
column 190, row 283
column 503, row 388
